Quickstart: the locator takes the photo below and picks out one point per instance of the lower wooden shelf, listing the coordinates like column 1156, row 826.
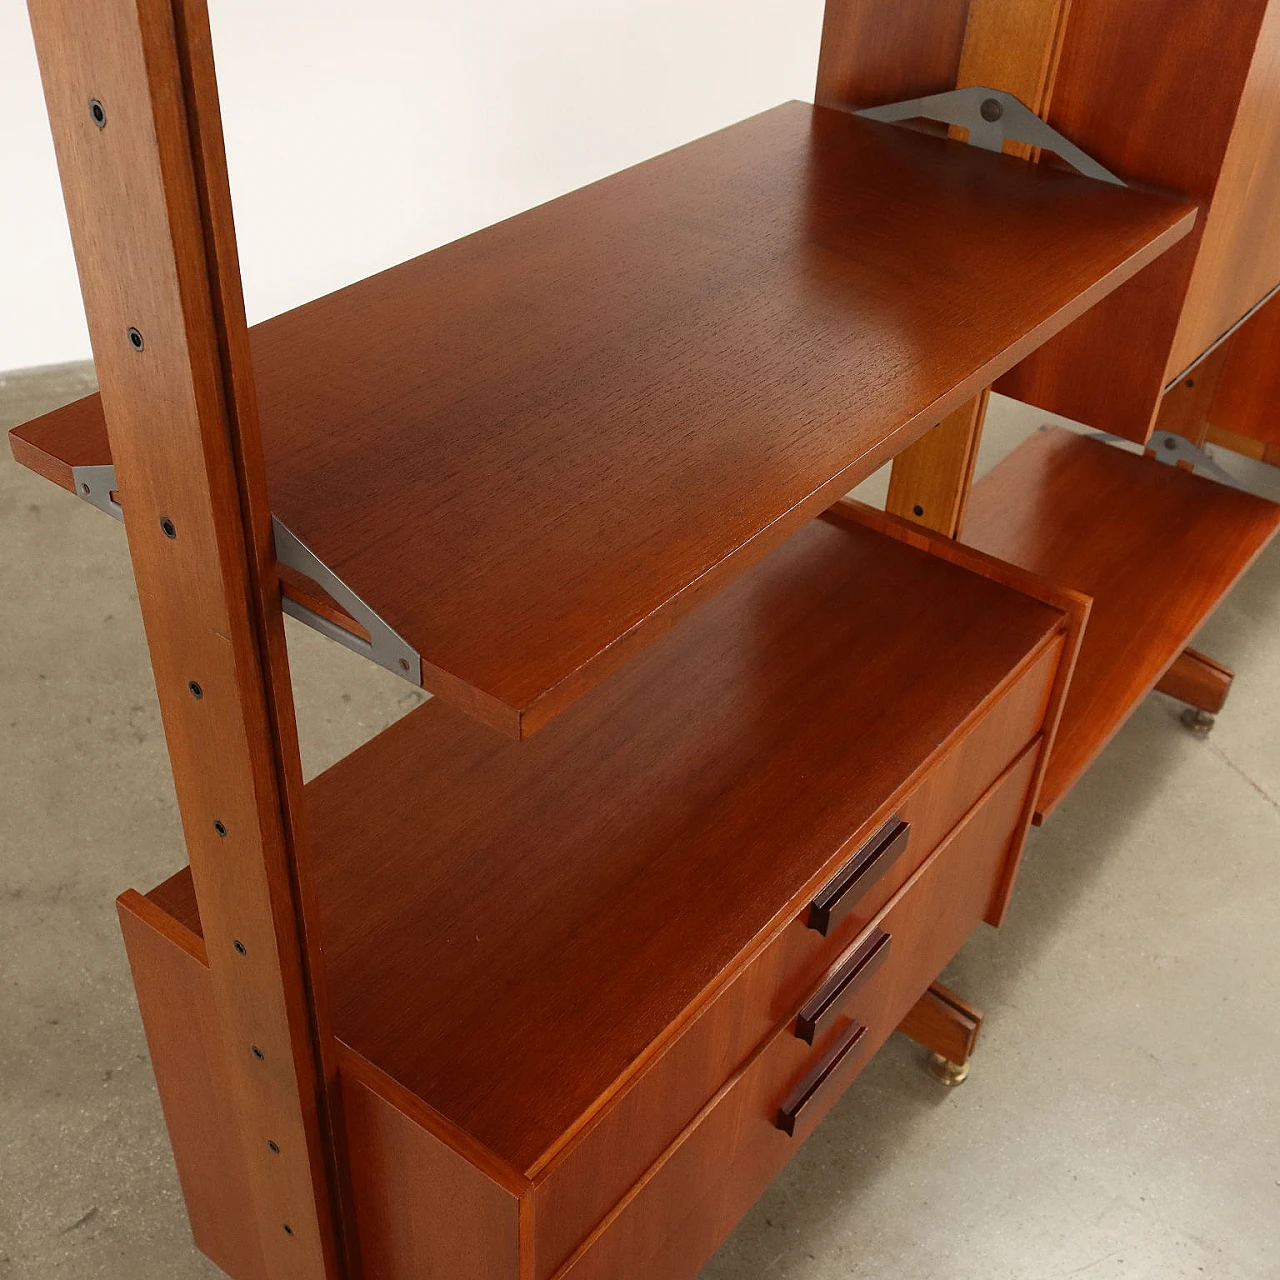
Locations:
column 1156, row 547
column 550, row 964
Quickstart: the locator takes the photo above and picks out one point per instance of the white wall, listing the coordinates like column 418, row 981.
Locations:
column 359, row 135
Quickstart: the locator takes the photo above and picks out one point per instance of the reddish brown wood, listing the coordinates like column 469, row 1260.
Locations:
column 421, row 1208
column 171, row 976
column 562, row 871
column 1198, row 681
column 1248, row 393
column 944, row 1024
column 1154, row 91
column 1238, row 263
column 149, row 210
column 1186, row 407
column 506, row 469
column 1156, row 547
column 678, row 1214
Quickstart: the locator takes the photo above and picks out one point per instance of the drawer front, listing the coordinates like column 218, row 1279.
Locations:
column 590, row 1176
column 680, row 1211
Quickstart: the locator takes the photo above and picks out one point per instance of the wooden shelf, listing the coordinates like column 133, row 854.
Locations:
column 1155, row 546
column 500, row 920
column 531, row 450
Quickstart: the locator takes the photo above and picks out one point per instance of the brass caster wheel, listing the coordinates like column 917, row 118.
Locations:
column 1199, row 722
column 944, row 1071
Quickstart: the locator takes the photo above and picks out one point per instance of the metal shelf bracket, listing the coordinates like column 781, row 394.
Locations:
column 992, row 118
column 97, row 486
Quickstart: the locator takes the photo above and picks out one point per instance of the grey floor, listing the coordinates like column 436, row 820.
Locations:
column 1123, row 1118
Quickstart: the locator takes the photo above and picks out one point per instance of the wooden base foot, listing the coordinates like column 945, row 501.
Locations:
column 948, row 1027
column 1200, row 682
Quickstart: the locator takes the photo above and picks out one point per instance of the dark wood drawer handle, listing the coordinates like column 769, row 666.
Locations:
column 804, row 1093
column 840, row 983
column 858, row 875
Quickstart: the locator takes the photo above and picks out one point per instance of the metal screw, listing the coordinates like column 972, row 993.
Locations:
column 1170, row 442
column 241, row 949
column 273, row 1148
column 196, row 690
column 220, row 827
column 918, row 510
column 404, row 664
column 98, row 113
column 136, row 340
column 170, row 529
column 992, row 110
column 1191, row 382
column 288, row 1230
column 84, row 488
column 257, row 1053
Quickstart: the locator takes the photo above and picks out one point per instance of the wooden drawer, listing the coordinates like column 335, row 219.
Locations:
column 678, row 1213
column 590, row 1174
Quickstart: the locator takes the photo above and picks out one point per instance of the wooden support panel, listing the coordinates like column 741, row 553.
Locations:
column 944, row 1023
column 1247, row 399
column 531, row 450
column 1156, row 548
column 1198, row 681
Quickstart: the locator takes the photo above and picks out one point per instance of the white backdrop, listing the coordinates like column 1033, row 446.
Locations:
column 359, row 135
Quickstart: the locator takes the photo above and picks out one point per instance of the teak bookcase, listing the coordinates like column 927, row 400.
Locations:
column 547, row 981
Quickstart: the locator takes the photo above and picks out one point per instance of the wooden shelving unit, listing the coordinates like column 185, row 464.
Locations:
column 530, row 451
column 559, row 1009
column 1155, row 547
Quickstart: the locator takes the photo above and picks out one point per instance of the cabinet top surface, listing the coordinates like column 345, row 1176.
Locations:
column 530, row 450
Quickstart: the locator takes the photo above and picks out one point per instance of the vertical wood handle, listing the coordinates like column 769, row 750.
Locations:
column 846, row 977
column 791, row 1111
column 844, row 890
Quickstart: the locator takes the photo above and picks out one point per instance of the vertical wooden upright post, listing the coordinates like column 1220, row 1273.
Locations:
column 1014, row 46
column 133, row 104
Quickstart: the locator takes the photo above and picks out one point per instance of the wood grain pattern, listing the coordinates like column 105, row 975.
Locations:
column 171, row 976
column 722, row 341
column 875, row 52
column 1247, row 402
column 691, row 769
column 1238, row 262
column 1155, row 547
column 930, row 480
column 678, row 1214
column 149, row 211
column 1186, row 407
column 1152, row 91
column 1197, row 680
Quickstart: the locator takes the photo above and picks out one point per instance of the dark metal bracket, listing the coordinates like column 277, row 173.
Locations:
column 992, row 118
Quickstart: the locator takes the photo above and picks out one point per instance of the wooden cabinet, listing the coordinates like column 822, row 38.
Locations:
column 556, row 997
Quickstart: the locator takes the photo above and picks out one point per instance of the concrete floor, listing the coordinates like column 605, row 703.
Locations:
column 1123, row 1118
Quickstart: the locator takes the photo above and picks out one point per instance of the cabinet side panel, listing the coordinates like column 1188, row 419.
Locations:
column 175, row 996
column 878, row 51
column 421, row 1209
column 1151, row 90
column 1239, row 261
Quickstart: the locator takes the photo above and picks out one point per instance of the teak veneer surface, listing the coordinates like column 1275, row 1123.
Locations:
column 510, row 927
column 530, row 450
column 1155, row 546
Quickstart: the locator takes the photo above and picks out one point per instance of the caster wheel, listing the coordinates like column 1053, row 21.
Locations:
column 1199, row 722
column 946, row 1072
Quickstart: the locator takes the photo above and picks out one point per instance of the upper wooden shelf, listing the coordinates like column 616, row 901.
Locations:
column 1155, row 546
column 531, row 450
